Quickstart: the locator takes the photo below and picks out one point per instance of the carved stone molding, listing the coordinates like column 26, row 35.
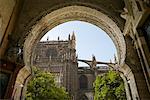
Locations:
column 69, row 14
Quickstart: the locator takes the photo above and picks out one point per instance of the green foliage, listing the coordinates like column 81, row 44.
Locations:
column 43, row 87
column 110, row 86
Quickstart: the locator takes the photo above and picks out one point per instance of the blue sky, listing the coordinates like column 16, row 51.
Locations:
column 90, row 40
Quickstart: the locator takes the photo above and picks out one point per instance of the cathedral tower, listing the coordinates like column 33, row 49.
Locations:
column 73, row 41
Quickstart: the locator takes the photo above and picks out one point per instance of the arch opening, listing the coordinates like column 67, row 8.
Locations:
column 83, row 82
column 72, row 13
column 87, row 36
column 69, row 14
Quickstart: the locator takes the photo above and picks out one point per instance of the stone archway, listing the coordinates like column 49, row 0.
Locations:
column 33, row 18
column 71, row 13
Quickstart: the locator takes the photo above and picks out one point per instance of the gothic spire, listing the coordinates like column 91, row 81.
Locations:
column 47, row 38
column 93, row 57
column 94, row 63
column 69, row 37
column 73, row 41
column 110, row 61
column 115, row 58
column 73, row 36
column 77, row 56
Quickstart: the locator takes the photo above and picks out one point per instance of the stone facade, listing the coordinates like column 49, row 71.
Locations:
column 86, row 78
column 59, row 57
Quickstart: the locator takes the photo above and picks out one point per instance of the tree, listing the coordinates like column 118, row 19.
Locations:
column 109, row 86
column 43, row 87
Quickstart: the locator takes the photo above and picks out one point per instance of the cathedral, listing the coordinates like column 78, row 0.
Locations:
column 59, row 58
column 24, row 22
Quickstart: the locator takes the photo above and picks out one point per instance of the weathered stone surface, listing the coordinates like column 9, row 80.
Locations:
column 21, row 30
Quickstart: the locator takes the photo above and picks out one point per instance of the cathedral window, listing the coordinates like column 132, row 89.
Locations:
column 51, row 53
column 83, row 82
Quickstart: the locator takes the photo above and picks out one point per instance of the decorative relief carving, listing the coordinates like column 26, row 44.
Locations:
column 124, row 14
column 15, row 54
